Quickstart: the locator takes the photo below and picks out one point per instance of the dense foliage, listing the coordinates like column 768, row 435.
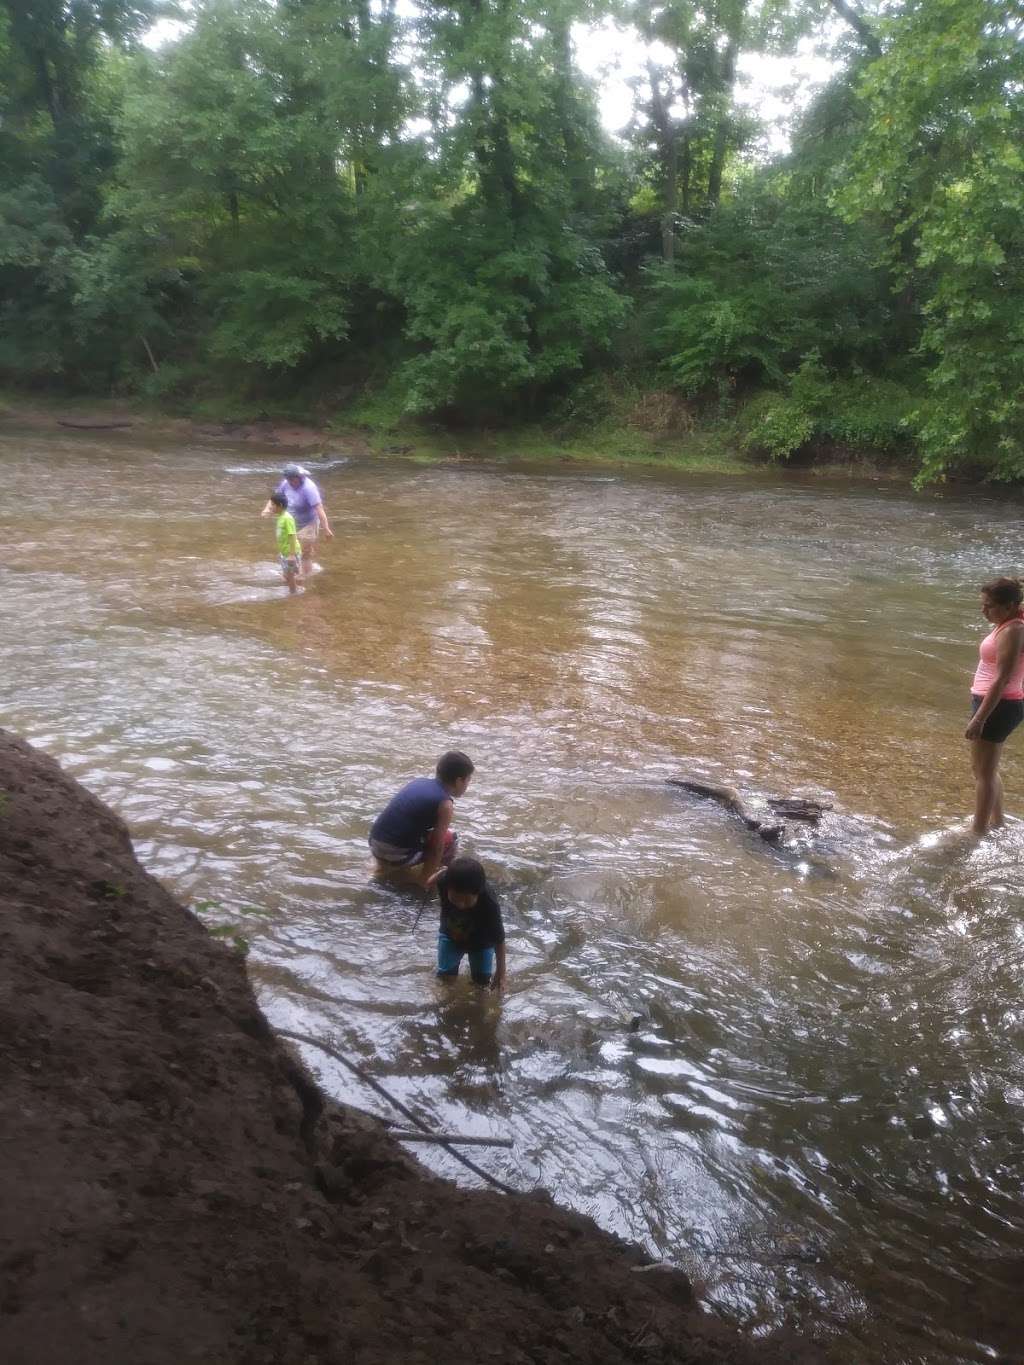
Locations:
column 413, row 208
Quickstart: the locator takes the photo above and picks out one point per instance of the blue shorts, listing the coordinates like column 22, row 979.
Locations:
column 290, row 564
column 450, row 955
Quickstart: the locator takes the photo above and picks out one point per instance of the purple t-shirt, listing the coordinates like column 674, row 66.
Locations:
column 302, row 501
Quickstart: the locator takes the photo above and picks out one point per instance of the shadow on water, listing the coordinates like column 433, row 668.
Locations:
column 795, row 1070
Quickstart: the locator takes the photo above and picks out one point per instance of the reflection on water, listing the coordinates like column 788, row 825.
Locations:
column 796, row 1071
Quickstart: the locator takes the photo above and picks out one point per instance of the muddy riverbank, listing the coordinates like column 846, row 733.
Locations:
column 637, row 441
column 177, row 1189
column 62, row 417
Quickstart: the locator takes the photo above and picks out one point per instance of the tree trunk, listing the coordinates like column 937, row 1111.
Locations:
column 668, row 223
column 857, row 22
column 48, row 92
column 668, row 139
column 577, row 162
column 728, row 80
column 687, row 169
column 492, row 146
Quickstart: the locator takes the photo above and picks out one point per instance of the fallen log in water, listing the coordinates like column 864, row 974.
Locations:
column 730, row 798
column 789, row 807
column 799, row 808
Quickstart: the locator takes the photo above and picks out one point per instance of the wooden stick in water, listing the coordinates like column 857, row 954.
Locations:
column 469, row 1140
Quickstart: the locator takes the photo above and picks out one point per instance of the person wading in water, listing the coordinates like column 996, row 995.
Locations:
column 413, row 830
column 307, row 507
column 997, row 697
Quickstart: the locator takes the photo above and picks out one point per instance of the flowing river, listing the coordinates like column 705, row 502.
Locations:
column 796, row 1072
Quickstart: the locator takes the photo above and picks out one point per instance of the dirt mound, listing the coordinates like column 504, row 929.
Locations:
column 264, row 432
column 176, row 1189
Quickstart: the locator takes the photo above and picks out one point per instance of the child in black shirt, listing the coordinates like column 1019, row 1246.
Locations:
column 470, row 923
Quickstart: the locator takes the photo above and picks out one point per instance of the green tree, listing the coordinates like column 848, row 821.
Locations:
column 686, row 108
column 61, row 85
column 497, row 264
column 36, row 283
column 941, row 166
column 53, row 91
column 248, row 148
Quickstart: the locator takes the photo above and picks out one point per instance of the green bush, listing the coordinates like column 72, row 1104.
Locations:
column 870, row 412
column 597, row 398
column 762, row 284
column 170, row 383
column 859, row 411
column 380, row 410
column 713, row 339
column 775, row 425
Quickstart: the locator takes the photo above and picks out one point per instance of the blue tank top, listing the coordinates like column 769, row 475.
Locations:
column 409, row 817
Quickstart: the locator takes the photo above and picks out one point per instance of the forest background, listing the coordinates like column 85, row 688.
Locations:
column 397, row 214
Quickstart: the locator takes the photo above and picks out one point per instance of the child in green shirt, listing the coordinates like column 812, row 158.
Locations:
column 288, row 546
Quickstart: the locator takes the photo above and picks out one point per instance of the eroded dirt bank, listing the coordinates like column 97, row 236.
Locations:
column 100, row 417
column 174, row 1188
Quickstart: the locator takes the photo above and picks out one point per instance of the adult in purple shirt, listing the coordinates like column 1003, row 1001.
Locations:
column 307, row 507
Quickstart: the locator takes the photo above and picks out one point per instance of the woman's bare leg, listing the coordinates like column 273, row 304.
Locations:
column 307, row 544
column 996, row 818
column 988, row 794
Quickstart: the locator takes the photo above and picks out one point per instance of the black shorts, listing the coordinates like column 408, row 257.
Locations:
column 1003, row 720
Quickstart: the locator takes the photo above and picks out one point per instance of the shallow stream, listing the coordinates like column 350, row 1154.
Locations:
column 796, row 1072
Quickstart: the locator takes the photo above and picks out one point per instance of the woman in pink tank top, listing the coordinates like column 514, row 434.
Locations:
column 997, row 696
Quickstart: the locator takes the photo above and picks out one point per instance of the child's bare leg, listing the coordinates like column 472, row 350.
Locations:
column 289, row 572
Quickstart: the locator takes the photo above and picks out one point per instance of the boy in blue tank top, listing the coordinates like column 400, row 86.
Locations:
column 413, row 830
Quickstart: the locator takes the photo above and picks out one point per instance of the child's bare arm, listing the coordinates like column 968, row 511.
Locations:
column 433, row 852
column 498, row 979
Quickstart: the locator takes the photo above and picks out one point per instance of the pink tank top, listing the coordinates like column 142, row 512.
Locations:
column 987, row 667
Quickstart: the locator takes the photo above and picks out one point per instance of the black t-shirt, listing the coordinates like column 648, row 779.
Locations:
column 475, row 929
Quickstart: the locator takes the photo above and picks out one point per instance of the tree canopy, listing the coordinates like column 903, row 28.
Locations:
column 417, row 204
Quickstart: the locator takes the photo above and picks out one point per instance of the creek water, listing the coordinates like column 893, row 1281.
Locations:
column 795, row 1072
